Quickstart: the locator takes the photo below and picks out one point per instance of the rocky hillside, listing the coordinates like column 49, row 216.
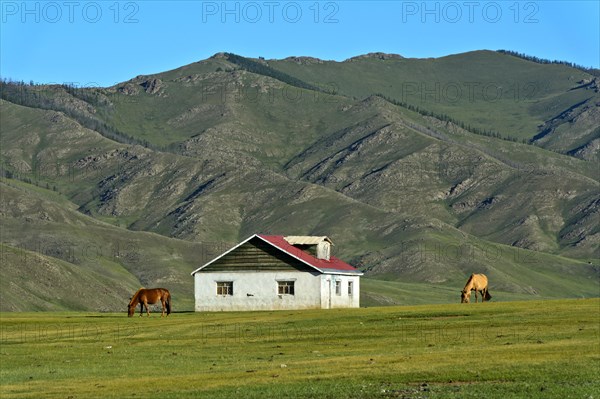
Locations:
column 182, row 164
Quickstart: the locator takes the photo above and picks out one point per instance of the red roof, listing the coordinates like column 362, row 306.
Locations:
column 332, row 265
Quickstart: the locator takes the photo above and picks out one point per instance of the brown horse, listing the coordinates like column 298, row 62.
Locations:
column 150, row 296
column 477, row 282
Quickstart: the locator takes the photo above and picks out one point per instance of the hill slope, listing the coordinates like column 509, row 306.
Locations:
column 487, row 90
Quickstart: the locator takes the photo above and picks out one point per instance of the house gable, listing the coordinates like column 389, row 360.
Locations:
column 256, row 255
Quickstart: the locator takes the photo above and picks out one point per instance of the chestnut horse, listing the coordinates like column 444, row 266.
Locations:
column 150, row 296
column 477, row 282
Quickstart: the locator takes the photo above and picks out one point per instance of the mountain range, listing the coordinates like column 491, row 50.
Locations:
column 421, row 171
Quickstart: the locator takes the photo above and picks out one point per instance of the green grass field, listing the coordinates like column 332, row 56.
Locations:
column 533, row 349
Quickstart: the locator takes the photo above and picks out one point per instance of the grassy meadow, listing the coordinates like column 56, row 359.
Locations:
column 532, row 349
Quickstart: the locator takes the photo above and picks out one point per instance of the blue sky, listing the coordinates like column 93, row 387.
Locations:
column 100, row 43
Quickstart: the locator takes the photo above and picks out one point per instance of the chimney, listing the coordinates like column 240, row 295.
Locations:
column 323, row 250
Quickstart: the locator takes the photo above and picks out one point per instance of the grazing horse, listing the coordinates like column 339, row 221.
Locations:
column 477, row 282
column 150, row 296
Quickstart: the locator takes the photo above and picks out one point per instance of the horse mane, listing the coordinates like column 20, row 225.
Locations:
column 469, row 281
column 135, row 296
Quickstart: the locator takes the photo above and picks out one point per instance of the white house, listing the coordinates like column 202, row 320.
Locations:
column 266, row 272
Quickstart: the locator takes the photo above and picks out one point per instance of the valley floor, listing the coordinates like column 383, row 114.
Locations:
column 531, row 349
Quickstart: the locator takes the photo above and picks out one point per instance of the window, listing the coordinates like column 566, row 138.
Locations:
column 350, row 288
column 224, row 287
column 338, row 287
column 285, row 287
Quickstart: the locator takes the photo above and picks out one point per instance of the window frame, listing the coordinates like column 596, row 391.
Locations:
column 286, row 287
column 227, row 285
column 338, row 287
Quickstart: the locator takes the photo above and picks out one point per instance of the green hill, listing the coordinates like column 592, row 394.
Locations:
column 56, row 258
column 487, row 90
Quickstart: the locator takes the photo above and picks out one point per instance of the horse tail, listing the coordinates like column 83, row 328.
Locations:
column 168, row 302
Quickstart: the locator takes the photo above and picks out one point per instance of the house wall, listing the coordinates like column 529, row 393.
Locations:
column 257, row 291
column 330, row 299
